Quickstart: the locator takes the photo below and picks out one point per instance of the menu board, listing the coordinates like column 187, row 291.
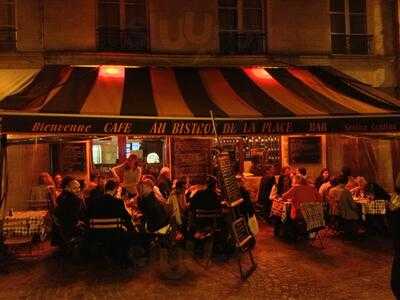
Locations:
column 228, row 177
column 73, row 157
column 191, row 158
column 304, row 150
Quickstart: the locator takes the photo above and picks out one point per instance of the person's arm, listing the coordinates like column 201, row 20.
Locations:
column 139, row 174
column 289, row 194
column 115, row 170
column 274, row 193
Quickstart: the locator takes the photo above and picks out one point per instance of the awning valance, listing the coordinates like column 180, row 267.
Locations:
column 114, row 99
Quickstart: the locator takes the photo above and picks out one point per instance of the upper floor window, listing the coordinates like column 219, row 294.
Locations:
column 241, row 26
column 349, row 34
column 7, row 25
column 122, row 25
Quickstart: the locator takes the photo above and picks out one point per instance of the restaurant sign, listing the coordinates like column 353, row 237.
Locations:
column 43, row 124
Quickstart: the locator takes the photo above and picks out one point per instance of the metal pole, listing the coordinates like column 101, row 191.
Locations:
column 215, row 129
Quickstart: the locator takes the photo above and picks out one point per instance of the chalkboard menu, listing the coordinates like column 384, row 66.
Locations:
column 304, row 150
column 191, row 158
column 73, row 157
column 228, row 177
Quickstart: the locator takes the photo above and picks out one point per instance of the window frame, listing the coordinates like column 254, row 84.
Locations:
column 347, row 23
column 11, row 29
column 123, row 28
column 240, row 29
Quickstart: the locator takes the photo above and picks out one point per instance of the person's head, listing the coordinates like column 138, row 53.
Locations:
column 71, row 185
column 165, row 172
column 211, row 182
column 346, row 171
column 111, row 187
column 180, row 186
column 101, row 181
column 302, row 171
column 132, row 161
column 45, row 179
column 361, row 182
column 297, row 179
column 58, row 179
column 342, row 180
column 286, row 171
column 145, row 187
column 93, row 177
column 324, row 174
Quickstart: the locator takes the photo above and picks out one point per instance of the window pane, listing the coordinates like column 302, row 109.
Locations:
column 109, row 14
column 337, row 5
column 358, row 24
column 359, row 44
column 7, row 15
column 252, row 4
column 227, row 19
column 135, row 16
column 227, row 3
column 338, row 23
column 252, row 19
column 338, row 43
column 357, row 6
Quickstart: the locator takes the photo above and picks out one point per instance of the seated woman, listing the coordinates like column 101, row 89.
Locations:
column 43, row 195
column 344, row 208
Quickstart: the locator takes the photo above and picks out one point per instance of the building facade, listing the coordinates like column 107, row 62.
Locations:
column 356, row 36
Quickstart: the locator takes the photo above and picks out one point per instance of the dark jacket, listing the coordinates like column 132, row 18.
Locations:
column 165, row 186
column 108, row 207
column 154, row 213
column 246, row 208
column 68, row 213
column 267, row 182
column 205, row 199
column 284, row 184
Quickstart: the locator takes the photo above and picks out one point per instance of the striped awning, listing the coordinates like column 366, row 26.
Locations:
column 140, row 96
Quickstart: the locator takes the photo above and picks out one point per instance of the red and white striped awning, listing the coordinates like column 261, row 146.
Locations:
column 151, row 93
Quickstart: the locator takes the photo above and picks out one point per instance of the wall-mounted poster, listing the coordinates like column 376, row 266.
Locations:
column 304, row 150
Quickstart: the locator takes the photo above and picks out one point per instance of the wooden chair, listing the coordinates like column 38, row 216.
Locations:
column 17, row 237
column 207, row 234
column 313, row 214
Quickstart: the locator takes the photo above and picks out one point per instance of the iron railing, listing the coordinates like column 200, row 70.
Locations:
column 242, row 43
column 115, row 39
column 7, row 39
column 361, row 44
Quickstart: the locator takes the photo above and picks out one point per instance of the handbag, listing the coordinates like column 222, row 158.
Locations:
column 253, row 225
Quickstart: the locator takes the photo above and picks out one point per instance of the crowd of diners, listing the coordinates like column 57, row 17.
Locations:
column 337, row 193
column 144, row 202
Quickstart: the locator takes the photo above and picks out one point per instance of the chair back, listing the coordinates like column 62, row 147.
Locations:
column 106, row 224
column 15, row 228
column 277, row 208
column 376, row 207
column 313, row 214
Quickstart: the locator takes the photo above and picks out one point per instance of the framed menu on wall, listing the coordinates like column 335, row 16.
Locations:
column 305, row 150
column 73, row 157
column 191, row 158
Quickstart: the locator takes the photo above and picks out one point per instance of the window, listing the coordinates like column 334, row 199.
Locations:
column 7, row 25
column 97, row 154
column 241, row 26
column 349, row 34
column 122, row 25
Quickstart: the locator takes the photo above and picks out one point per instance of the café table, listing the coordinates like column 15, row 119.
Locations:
column 26, row 224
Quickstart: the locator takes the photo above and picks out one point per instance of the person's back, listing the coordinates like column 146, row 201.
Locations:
column 154, row 214
column 205, row 199
column 347, row 208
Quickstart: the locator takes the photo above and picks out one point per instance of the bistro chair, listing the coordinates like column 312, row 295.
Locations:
column 17, row 237
column 313, row 214
column 207, row 232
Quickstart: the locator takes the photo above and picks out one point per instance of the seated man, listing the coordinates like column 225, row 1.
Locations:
column 97, row 191
column 117, row 241
column 155, row 216
column 68, row 212
column 299, row 193
column 342, row 206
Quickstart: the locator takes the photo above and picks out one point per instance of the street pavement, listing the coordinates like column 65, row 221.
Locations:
column 343, row 270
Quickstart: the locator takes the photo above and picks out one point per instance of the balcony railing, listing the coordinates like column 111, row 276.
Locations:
column 242, row 43
column 352, row 44
column 7, row 39
column 114, row 39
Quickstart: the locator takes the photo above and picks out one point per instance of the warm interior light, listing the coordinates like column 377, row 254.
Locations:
column 112, row 71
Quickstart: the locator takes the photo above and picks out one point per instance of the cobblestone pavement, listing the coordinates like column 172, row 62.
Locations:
column 343, row 270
